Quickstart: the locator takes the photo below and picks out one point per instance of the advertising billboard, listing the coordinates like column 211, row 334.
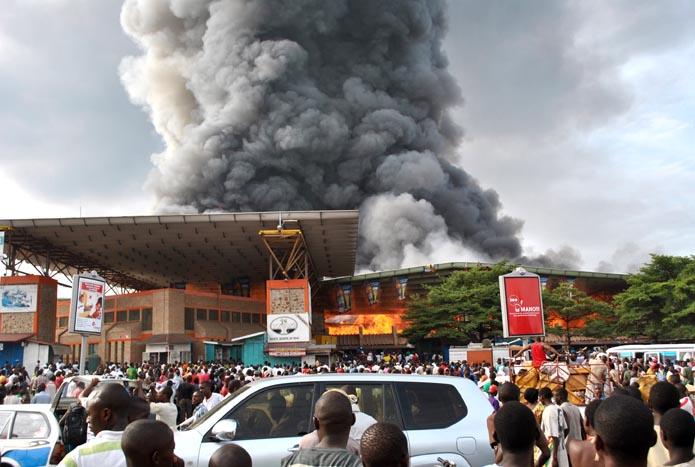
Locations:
column 87, row 304
column 289, row 311
column 522, row 304
column 19, row 298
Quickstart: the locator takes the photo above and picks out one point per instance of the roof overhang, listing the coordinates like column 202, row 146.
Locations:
column 247, row 336
column 18, row 337
column 147, row 252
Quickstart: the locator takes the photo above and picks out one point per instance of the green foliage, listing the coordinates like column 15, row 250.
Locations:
column 577, row 312
column 464, row 308
column 660, row 300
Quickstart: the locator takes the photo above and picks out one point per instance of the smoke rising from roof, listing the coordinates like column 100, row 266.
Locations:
column 313, row 104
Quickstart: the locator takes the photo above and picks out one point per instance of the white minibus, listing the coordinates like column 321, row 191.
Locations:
column 662, row 352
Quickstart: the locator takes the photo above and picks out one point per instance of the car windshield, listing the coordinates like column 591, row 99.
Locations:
column 215, row 409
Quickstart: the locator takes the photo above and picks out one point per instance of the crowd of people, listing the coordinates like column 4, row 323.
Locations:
column 539, row 427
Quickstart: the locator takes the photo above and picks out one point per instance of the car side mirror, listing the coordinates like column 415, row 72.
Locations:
column 225, row 430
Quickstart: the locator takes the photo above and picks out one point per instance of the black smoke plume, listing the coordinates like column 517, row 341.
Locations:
column 314, row 104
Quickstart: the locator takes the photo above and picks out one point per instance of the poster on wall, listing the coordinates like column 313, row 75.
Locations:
column 288, row 297
column 372, row 290
column 87, row 304
column 19, row 298
column 344, row 297
column 401, row 283
column 522, row 306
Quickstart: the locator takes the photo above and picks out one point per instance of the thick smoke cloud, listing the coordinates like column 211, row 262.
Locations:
column 313, row 104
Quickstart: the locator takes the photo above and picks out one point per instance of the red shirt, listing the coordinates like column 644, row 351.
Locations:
column 538, row 354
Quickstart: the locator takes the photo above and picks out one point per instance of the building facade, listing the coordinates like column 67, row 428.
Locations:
column 164, row 325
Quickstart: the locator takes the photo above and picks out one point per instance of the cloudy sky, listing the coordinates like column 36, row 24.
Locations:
column 579, row 114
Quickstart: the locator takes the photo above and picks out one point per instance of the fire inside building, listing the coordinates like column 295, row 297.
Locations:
column 257, row 287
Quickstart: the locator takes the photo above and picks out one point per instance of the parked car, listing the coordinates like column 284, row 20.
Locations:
column 29, row 436
column 441, row 417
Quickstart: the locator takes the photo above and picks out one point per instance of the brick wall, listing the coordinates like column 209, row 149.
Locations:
column 46, row 316
column 167, row 311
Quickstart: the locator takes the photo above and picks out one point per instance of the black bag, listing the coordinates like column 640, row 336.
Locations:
column 75, row 428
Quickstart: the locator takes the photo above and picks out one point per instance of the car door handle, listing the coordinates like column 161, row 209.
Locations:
column 294, row 448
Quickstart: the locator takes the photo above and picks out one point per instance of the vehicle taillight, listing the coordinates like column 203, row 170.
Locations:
column 58, row 453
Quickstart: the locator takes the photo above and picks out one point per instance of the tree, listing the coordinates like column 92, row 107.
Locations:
column 659, row 302
column 463, row 308
column 570, row 311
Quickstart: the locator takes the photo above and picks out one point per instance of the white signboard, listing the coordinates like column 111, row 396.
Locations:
column 87, row 305
column 289, row 328
column 19, row 298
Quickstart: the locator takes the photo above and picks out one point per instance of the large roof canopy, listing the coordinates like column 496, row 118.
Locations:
column 147, row 252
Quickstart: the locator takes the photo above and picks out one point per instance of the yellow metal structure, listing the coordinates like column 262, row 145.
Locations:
column 289, row 256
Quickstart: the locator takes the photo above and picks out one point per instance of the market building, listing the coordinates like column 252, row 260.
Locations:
column 276, row 287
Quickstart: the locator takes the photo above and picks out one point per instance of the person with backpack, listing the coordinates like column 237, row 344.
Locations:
column 74, row 427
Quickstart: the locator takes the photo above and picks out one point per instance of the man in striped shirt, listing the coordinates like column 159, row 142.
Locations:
column 108, row 415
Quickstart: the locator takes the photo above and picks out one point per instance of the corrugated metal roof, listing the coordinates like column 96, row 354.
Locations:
column 147, row 252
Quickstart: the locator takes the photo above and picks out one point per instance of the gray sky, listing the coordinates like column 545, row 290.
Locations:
column 578, row 114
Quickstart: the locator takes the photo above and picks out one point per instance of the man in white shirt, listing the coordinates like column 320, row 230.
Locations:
column 211, row 398
column 362, row 420
column 163, row 408
column 555, row 428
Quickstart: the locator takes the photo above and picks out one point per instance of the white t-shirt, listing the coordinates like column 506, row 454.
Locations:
column 362, row 422
column 214, row 399
column 553, row 424
column 165, row 411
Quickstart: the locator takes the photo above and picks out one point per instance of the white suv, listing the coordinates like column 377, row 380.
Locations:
column 441, row 416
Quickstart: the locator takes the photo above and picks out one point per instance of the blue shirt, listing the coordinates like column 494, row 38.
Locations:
column 41, row 398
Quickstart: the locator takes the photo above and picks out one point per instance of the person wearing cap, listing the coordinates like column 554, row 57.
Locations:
column 362, row 420
column 492, row 397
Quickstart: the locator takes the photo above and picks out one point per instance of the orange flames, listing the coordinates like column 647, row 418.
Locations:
column 370, row 324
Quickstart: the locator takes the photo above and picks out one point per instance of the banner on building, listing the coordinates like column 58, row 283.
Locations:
column 87, row 304
column 244, row 286
column 343, row 293
column 401, row 283
column 544, row 281
column 372, row 289
column 19, row 298
column 282, row 352
column 522, row 305
column 289, row 328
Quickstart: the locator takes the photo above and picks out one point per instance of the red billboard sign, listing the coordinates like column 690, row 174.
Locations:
column 522, row 306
